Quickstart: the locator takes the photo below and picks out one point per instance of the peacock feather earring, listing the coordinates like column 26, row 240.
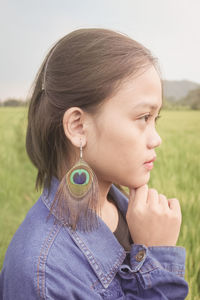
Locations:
column 76, row 203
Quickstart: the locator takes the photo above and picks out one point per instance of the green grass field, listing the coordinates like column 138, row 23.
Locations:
column 176, row 174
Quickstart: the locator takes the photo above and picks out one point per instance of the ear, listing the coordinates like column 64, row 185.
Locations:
column 74, row 121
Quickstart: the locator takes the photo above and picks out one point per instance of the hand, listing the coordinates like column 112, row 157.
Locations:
column 153, row 220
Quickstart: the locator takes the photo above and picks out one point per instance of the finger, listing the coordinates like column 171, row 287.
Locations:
column 174, row 204
column 131, row 196
column 163, row 201
column 152, row 198
column 175, row 208
column 132, row 193
column 140, row 195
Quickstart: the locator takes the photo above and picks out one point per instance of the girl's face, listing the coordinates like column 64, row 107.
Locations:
column 123, row 136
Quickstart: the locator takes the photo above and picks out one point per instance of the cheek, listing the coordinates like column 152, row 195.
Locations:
column 115, row 150
column 118, row 146
column 117, row 155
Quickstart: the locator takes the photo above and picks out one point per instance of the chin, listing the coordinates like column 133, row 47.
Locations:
column 139, row 182
column 134, row 181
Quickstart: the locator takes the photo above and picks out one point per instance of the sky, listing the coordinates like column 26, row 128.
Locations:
column 29, row 28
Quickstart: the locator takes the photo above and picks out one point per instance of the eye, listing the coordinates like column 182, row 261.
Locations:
column 147, row 117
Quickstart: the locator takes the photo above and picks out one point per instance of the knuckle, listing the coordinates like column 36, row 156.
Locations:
column 145, row 187
column 139, row 210
column 152, row 190
column 162, row 196
column 152, row 194
column 155, row 211
column 176, row 218
column 160, row 214
column 176, row 204
column 174, row 200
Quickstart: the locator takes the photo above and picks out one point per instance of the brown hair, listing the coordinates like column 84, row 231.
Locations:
column 82, row 69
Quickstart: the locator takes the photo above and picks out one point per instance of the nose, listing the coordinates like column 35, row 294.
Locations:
column 154, row 140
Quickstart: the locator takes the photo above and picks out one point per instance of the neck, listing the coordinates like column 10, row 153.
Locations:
column 108, row 212
column 104, row 188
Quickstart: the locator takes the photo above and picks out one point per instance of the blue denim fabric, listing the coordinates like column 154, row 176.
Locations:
column 49, row 261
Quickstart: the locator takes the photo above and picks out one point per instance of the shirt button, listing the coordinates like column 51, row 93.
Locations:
column 140, row 255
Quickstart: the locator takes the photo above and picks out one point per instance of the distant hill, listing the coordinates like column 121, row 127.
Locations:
column 192, row 99
column 175, row 90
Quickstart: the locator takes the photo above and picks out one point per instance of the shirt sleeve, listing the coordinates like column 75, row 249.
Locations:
column 154, row 273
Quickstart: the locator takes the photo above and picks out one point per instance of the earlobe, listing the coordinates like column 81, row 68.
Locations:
column 73, row 125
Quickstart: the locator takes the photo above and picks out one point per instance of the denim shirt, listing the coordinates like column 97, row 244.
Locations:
column 46, row 260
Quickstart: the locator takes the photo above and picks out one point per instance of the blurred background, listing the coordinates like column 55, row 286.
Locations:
column 170, row 29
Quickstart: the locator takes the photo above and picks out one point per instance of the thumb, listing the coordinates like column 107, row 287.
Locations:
column 131, row 196
column 131, row 193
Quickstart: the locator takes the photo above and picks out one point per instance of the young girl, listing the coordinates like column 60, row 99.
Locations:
column 91, row 130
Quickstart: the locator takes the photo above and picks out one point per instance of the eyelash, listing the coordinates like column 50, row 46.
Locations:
column 149, row 115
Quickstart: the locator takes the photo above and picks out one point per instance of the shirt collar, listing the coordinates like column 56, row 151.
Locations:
column 100, row 246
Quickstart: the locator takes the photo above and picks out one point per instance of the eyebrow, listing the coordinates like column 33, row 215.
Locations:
column 148, row 105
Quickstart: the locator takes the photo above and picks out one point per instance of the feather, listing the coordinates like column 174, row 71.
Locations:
column 76, row 203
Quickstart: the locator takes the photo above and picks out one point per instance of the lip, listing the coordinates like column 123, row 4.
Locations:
column 151, row 160
column 149, row 164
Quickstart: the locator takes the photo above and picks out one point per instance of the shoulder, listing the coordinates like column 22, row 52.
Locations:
column 36, row 248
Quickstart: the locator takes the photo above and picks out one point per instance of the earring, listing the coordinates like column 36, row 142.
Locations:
column 76, row 203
